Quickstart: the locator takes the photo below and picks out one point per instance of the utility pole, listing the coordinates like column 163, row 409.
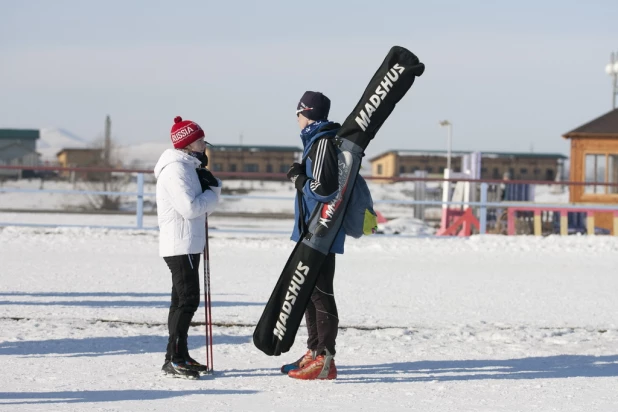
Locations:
column 449, row 142
column 107, row 176
column 242, row 154
column 107, row 145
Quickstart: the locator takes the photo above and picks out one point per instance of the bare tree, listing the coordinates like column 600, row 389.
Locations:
column 106, row 181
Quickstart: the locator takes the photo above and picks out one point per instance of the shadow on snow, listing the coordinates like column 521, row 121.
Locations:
column 107, row 346
column 548, row 367
column 25, row 398
column 164, row 302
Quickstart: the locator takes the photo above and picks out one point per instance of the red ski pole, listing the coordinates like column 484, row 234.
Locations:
column 207, row 304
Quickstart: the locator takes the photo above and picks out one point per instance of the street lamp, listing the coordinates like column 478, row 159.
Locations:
column 612, row 70
column 446, row 123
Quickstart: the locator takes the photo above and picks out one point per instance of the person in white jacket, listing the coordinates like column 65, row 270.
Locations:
column 186, row 193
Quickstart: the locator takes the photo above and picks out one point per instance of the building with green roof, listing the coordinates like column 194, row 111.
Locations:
column 18, row 147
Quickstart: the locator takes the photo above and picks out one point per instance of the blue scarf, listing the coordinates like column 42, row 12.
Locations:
column 307, row 133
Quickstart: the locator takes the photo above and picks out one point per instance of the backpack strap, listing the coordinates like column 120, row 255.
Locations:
column 301, row 214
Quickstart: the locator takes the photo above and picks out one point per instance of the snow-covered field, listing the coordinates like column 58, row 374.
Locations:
column 481, row 324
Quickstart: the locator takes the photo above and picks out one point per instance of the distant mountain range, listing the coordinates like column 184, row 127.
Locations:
column 52, row 141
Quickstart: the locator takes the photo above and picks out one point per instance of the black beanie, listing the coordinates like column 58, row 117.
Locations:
column 314, row 106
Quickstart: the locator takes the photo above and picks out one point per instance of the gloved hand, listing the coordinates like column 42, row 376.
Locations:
column 297, row 175
column 207, row 180
column 201, row 156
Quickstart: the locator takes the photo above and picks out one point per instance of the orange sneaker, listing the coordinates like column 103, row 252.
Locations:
column 300, row 363
column 322, row 367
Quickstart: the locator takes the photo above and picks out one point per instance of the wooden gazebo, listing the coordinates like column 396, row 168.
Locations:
column 594, row 159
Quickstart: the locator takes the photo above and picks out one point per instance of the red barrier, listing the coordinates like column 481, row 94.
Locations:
column 466, row 221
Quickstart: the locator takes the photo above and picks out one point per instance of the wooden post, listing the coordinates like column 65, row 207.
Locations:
column 538, row 231
column 564, row 223
column 590, row 222
column 615, row 223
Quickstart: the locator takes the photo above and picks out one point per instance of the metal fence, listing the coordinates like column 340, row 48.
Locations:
column 537, row 207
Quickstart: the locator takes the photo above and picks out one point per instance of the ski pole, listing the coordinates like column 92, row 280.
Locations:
column 207, row 304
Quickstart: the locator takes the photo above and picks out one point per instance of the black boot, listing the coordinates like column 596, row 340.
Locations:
column 179, row 370
column 175, row 364
column 195, row 365
column 170, row 349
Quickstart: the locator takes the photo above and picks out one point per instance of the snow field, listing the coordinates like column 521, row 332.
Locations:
column 481, row 324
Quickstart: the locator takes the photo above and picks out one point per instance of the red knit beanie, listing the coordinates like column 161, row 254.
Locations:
column 185, row 132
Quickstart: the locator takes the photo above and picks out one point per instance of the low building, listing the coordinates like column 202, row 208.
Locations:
column 594, row 159
column 494, row 165
column 18, row 148
column 79, row 158
column 252, row 159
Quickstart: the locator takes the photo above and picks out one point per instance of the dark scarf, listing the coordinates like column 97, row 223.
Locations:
column 307, row 133
column 201, row 156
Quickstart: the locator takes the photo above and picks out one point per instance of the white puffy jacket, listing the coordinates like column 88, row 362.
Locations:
column 181, row 205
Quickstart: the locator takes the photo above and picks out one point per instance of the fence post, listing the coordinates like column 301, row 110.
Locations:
column 590, row 222
column 139, row 210
column 538, row 222
column 564, row 223
column 446, row 197
column 420, row 194
column 483, row 209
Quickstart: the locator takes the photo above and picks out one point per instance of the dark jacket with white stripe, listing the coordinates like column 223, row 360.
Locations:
column 321, row 167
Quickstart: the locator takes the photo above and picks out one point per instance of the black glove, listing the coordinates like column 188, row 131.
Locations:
column 207, row 180
column 297, row 175
column 203, row 159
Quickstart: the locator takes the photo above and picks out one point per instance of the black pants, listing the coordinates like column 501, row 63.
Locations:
column 185, row 300
column 321, row 315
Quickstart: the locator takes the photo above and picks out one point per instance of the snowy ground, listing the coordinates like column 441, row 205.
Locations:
column 216, row 222
column 481, row 324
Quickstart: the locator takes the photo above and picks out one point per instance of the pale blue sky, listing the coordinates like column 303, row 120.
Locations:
column 507, row 74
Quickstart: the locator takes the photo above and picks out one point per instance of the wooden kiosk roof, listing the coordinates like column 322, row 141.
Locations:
column 603, row 126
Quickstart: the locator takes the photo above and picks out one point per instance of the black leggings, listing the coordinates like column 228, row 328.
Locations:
column 185, row 300
column 321, row 314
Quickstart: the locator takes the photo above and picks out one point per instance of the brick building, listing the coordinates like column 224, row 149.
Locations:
column 494, row 165
column 80, row 158
column 255, row 159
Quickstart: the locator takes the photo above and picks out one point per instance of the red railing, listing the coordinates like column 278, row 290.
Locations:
column 538, row 210
column 282, row 176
